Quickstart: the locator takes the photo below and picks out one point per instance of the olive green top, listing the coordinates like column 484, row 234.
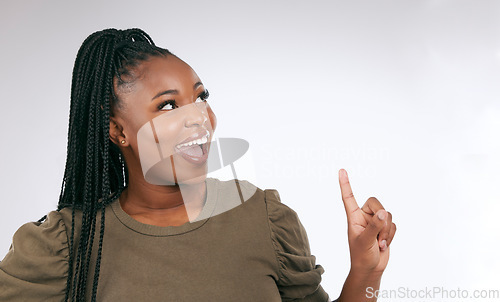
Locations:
column 252, row 251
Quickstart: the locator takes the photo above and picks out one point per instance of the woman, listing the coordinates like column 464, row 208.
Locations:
column 138, row 220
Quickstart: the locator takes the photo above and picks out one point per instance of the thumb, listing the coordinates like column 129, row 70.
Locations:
column 375, row 225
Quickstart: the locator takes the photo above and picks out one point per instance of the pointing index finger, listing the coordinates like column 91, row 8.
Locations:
column 350, row 203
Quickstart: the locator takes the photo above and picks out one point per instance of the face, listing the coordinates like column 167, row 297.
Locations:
column 165, row 121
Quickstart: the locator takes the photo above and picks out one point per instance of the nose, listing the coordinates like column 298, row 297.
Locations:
column 196, row 115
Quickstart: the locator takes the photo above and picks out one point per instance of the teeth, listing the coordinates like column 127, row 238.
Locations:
column 199, row 141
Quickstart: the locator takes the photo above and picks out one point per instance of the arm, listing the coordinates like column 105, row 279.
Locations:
column 370, row 232
column 36, row 266
column 355, row 287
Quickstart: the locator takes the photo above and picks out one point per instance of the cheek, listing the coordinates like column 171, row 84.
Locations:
column 156, row 140
column 134, row 118
column 131, row 129
column 167, row 128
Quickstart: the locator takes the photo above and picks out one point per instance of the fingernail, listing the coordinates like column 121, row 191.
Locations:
column 382, row 215
column 383, row 245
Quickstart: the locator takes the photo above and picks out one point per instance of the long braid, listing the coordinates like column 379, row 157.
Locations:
column 96, row 172
column 76, row 114
column 90, row 169
column 101, row 93
column 97, row 95
column 104, row 156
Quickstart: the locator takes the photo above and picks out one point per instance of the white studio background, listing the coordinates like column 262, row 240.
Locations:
column 402, row 94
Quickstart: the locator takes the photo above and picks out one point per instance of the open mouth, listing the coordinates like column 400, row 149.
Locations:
column 195, row 150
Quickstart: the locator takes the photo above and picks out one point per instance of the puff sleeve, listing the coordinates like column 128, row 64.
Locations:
column 299, row 276
column 36, row 265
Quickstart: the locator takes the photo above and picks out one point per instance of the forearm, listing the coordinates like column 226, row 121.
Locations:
column 355, row 287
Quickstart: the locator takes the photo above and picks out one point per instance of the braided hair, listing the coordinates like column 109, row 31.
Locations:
column 95, row 172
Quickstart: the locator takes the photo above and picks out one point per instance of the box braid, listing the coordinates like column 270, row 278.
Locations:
column 96, row 172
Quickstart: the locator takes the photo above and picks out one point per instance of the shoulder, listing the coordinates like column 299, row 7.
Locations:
column 231, row 189
column 299, row 275
column 276, row 209
column 67, row 215
column 288, row 233
column 283, row 221
column 47, row 237
column 36, row 265
column 239, row 191
column 226, row 195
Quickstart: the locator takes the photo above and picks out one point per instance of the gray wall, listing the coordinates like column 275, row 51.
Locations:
column 402, row 94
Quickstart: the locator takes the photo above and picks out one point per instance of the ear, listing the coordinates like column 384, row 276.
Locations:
column 116, row 134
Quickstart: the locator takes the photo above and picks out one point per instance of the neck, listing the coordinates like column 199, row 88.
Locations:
column 163, row 205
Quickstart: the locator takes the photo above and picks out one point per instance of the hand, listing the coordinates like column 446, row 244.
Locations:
column 370, row 231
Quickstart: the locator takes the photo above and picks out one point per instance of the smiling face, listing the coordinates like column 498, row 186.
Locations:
column 165, row 122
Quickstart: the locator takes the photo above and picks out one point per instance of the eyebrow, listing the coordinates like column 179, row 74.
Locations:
column 175, row 91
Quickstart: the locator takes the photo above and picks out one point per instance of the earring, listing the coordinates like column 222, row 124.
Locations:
column 122, row 141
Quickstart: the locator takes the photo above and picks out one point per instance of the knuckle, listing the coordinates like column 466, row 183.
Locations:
column 356, row 209
column 387, row 230
column 374, row 201
column 347, row 196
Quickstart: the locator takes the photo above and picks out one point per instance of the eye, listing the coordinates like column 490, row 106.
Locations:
column 167, row 105
column 203, row 96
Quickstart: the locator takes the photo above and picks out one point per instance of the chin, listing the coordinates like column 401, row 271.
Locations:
column 181, row 173
column 193, row 181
